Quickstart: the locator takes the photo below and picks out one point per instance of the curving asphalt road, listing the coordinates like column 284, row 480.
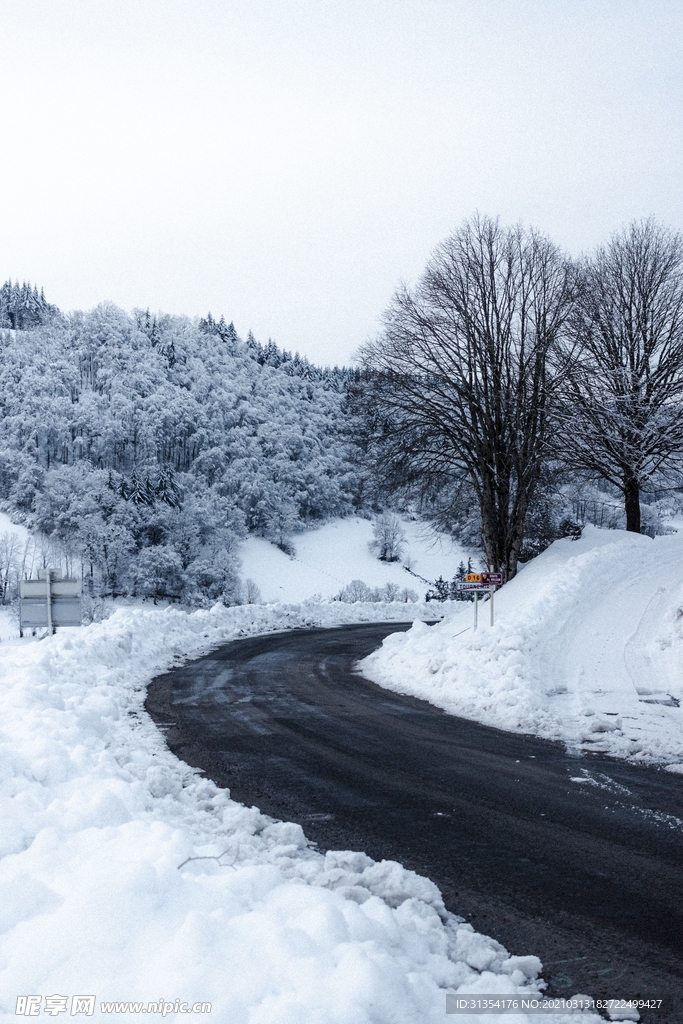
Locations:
column 588, row 875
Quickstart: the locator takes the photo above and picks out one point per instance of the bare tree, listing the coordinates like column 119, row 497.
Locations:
column 459, row 384
column 623, row 411
column 9, row 555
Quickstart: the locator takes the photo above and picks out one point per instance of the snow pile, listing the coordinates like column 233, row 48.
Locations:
column 587, row 648
column 329, row 558
column 126, row 875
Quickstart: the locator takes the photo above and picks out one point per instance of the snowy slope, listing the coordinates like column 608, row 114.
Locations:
column 7, row 526
column 126, row 875
column 587, row 648
column 328, row 558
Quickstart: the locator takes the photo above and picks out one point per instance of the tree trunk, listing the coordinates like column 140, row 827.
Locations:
column 516, row 546
column 632, row 503
column 490, row 529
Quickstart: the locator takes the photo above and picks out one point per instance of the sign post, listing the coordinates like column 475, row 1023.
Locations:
column 48, row 581
column 479, row 582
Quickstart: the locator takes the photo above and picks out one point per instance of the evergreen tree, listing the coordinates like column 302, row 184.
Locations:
column 23, row 308
column 439, row 592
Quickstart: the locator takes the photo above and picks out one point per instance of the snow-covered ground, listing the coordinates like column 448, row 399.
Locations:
column 328, row 558
column 126, row 876
column 7, row 526
column 587, row 648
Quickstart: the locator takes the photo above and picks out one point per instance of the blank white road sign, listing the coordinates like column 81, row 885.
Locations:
column 65, row 601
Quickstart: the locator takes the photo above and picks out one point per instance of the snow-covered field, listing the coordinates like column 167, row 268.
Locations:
column 126, row 876
column 587, row 648
column 328, row 558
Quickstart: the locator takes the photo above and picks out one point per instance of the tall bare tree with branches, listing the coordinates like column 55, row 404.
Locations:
column 459, row 384
column 622, row 415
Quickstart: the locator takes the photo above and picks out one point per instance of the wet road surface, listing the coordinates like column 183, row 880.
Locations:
column 586, row 874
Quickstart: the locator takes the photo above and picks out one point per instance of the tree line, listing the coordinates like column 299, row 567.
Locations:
column 509, row 363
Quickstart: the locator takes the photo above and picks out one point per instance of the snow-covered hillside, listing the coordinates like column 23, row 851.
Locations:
column 127, row 876
column 587, row 648
column 328, row 558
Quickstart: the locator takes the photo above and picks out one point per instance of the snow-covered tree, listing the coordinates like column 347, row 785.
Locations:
column 10, row 548
column 622, row 419
column 459, row 383
column 388, row 537
column 390, row 592
column 158, row 572
column 23, row 307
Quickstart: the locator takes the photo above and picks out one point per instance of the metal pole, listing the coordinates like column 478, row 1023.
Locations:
column 48, row 577
column 476, row 607
column 492, row 591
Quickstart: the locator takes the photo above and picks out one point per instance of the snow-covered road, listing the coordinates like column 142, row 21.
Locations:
column 126, row 876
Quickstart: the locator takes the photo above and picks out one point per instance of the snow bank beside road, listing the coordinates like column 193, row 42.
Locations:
column 587, row 648
column 126, row 875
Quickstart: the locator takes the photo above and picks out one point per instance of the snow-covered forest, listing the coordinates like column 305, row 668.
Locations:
column 141, row 449
column 513, row 397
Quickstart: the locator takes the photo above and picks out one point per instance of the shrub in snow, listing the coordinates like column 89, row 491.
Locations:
column 388, row 537
column 390, row 592
column 250, row 592
column 356, row 590
column 94, row 609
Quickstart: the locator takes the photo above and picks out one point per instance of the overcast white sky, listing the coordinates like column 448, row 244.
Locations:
column 287, row 162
